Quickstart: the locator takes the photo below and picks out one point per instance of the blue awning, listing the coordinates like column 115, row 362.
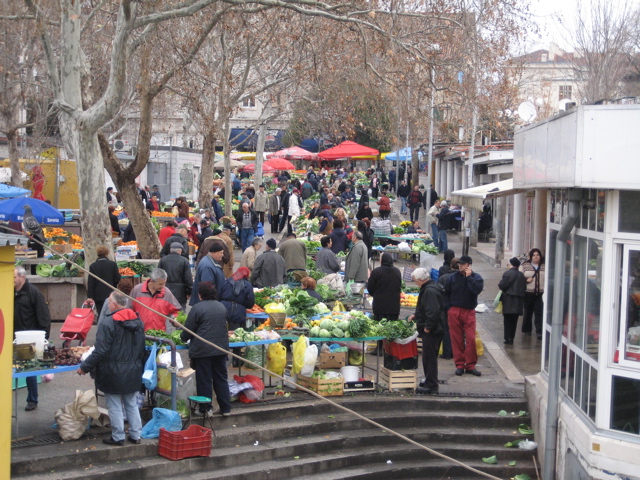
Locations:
column 247, row 139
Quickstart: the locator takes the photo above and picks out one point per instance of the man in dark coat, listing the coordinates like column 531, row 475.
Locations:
column 106, row 270
column 180, row 237
column 269, row 269
column 513, row 286
column 430, row 319
column 392, row 180
column 30, row 312
column 403, row 193
column 209, row 270
column 179, row 277
column 385, row 285
column 118, row 362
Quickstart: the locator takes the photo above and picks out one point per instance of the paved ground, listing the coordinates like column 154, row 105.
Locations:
column 503, row 367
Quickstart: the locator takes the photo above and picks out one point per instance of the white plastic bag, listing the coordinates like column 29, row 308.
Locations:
column 482, row 308
column 165, row 359
column 404, row 247
column 86, row 354
column 404, row 341
column 310, row 357
column 427, row 261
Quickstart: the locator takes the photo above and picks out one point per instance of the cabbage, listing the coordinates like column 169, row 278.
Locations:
column 314, row 332
column 326, row 324
column 343, row 325
column 321, row 308
column 337, row 333
column 324, row 333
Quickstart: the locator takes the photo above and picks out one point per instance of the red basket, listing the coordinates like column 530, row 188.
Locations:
column 401, row 351
column 195, row 441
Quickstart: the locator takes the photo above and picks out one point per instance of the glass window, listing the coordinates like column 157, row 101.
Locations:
column 629, row 212
column 564, row 91
column 630, row 305
column 625, row 405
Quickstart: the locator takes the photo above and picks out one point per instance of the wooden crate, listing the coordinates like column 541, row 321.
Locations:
column 398, row 379
column 325, row 388
column 26, row 254
column 62, row 248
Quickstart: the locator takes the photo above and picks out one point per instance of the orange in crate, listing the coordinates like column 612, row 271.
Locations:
column 195, row 441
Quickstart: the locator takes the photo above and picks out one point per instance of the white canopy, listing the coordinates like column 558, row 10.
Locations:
column 474, row 197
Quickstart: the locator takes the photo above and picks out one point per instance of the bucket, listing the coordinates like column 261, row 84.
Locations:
column 32, row 336
column 350, row 374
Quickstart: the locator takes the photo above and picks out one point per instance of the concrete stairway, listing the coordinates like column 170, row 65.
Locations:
column 313, row 440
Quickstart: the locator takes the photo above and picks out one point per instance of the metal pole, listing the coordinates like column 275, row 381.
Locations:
column 430, row 155
column 555, row 339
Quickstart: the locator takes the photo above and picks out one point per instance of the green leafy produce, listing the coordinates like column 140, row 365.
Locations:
column 321, row 374
column 175, row 336
column 314, row 332
column 324, row 333
column 398, row 230
column 337, row 333
column 359, row 325
column 393, row 329
column 525, row 429
column 44, row 270
column 522, row 476
column 512, row 463
column 327, row 324
column 321, row 308
column 514, row 444
column 265, row 296
column 502, row 413
column 341, row 254
column 423, row 247
column 491, row 460
column 312, row 245
column 301, row 305
column 182, row 317
column 327, row 293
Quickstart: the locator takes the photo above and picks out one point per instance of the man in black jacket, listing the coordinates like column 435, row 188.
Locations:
column 385, row 285
column 118, row 362
column 30, row 312
column 180, row 237
column 106, row 270
column 179, row 277
column 247, row 221
column 403, row 193
column 430, row 319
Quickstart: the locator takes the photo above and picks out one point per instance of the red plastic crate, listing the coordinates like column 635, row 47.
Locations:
column 195, row 441
column 401, row 351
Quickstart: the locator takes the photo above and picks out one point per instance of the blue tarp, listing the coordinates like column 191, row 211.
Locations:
column 402, row 155
column 8, row 191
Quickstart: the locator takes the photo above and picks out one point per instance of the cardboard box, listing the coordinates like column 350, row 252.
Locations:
column 192, row 249
column 361, row 385
column 332, row 387
column 333, row 360
column 127, row 251
column 62, row 248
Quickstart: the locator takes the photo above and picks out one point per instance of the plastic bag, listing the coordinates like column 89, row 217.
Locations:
column 355, row 357
column 299, row 347
column 427, row 260
column 162, row 418
column 498, row 299
column 339, row 307
column 252, row 394
column 235, row 388
column 164, row 358
column 276, row 358
column 404, row 341
column 253, row 354
column 479, row 346
column 150, row 374
column 73, row 419
column 498, row 309
column 310, row 357
column 404, row 247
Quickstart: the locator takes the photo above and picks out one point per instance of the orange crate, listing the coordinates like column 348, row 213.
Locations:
column 195, row 441
column 401, row 351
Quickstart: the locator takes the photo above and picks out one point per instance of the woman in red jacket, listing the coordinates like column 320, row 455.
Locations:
column 385, row 206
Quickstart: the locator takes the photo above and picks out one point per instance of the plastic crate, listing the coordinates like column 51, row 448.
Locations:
column 195, row 441
column 399, row 351
column 394, row 363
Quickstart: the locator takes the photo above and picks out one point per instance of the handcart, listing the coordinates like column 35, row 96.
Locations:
column 77, row 325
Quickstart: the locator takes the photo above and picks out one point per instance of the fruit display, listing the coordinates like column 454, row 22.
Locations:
column 70, row 356
column 407, row 300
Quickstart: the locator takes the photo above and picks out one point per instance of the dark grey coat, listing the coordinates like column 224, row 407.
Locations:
column 208, row 319
column 513, row 286
column 179, row 277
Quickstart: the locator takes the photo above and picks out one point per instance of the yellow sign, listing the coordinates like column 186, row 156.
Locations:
column 7, row 259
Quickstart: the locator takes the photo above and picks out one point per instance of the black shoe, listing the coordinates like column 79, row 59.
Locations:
column 30, row 406
column 423, row 383
column 426, row 391
column 445, row 357
column 508, row 342
column 134, row 441
column 111, row 441
column 474, row 372
column 459, row 371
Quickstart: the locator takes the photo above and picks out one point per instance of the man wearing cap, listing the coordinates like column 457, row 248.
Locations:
column 228, row 263
column 269, row 269
column 156, row 192
column 261, row 203
column 209, row 270
column 227, row 256
column 294, row 252
column 179, row 277
column 180, row 236
column 463, row 289
column 247, row 221
column 513, row 286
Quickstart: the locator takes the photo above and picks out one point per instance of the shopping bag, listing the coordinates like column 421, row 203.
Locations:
column 497, row 300
column 299, row 348
column 252, row 394
column 164, row 375
column 310, row 357
column 498, row 309
column 149, row 376
column 479, row 346
column 276, row 358
column 72, row 420
column 162, row 418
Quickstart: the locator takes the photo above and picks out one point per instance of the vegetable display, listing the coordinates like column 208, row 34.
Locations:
column 175, row 336
column 265, row 296
column 393, row 329
column 137, row 267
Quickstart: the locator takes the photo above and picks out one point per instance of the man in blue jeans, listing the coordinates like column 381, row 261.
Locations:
column 30, row 312
column 442, row 226
column 403, row 193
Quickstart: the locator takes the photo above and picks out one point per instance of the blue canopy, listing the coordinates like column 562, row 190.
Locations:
column 8, row 191
column 401, row 155
column 13, row 210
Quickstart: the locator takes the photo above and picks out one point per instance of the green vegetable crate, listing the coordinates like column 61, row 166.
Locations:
column 332, row 387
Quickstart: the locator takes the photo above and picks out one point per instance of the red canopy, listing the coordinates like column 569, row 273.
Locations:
column 280, row 164
column 294, row 153
column 347, row 149
column 251, row 167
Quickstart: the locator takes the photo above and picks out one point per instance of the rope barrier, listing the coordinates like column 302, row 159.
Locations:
column 270, row 373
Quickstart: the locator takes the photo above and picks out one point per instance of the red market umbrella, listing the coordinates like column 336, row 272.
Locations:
column 346, row 150
column 294, row 153
column 280, row 164
column 252, row 168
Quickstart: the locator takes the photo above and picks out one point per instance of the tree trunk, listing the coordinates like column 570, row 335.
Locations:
column 415, row 171
column 124, row 178
column 228, row 195
column 96, row 229
column 257, row 176
column 206, row 170
column 14, row 158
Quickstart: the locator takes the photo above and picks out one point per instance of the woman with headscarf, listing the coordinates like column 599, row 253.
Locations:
column 367, row 235
column 364, row 198
column 513, row 287
column 385, row 285
column 364, row 212
column 339, row 240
